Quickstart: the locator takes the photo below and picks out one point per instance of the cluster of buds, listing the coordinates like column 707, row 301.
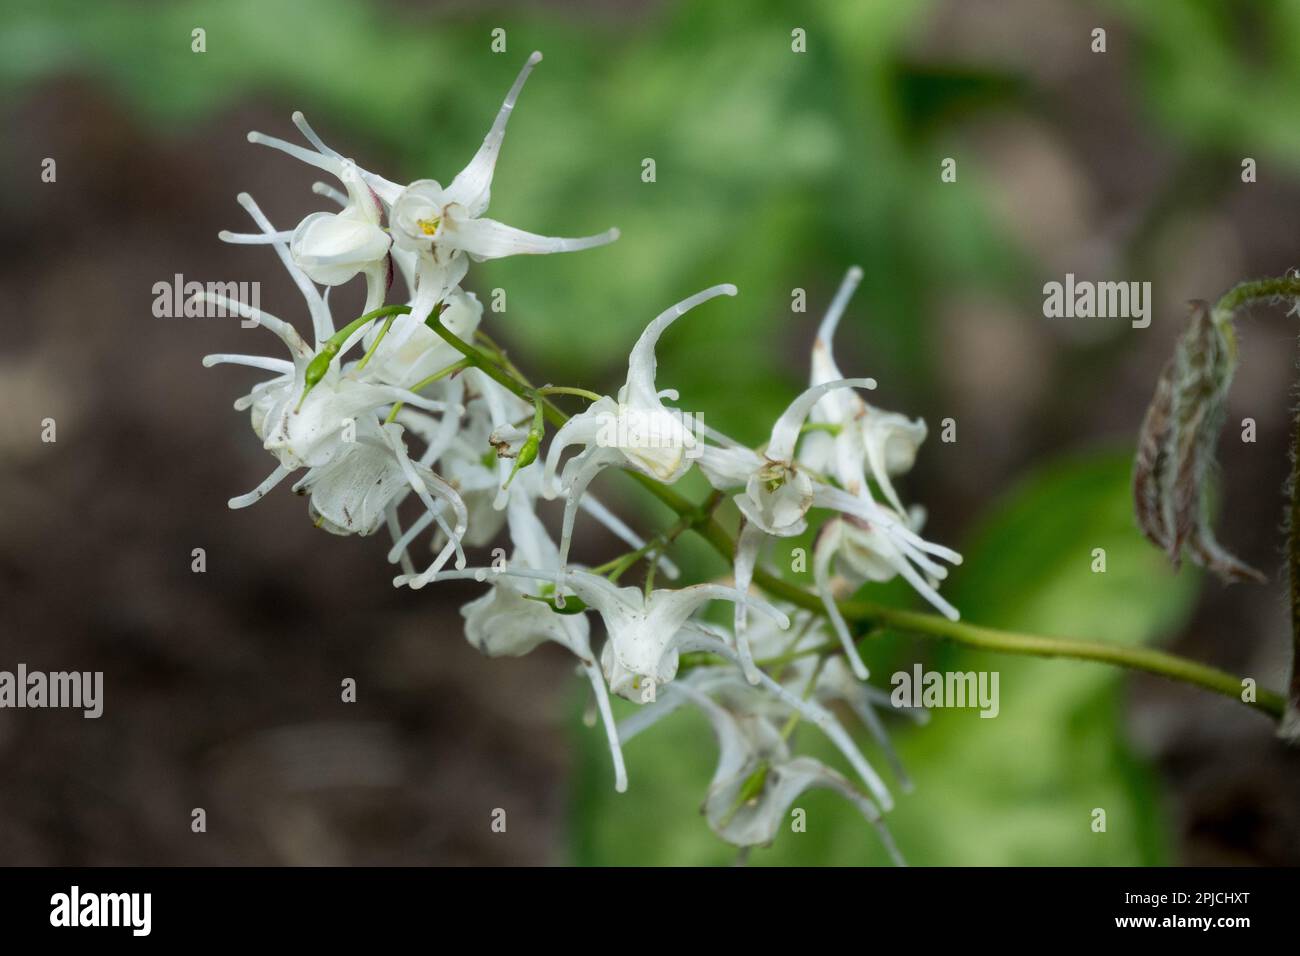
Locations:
column 400, row 404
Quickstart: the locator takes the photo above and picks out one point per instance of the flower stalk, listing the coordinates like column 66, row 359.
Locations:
column 864, row 614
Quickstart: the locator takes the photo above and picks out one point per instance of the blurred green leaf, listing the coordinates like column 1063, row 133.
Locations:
column 1221, row 75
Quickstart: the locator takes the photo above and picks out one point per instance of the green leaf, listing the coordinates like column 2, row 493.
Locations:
column 1020, row 789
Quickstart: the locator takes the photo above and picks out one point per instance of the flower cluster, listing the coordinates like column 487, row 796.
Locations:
column 412, row 400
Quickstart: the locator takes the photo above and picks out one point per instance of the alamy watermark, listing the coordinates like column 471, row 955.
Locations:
column 934, row 689
column 78, row 690
column 661, row 428
column 1083, row 299
column 180, row 299
column 75, row 908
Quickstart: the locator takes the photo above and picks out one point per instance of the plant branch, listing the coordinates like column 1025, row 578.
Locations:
column 1244, row 292
column 933, row 625
column 1287, row 286
column 700, row 519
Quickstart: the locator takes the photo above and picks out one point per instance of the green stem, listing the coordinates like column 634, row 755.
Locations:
column 321, row 361
column 476, row 357
column 442, row 373
column 829, row 427
column 569, row 390
column 533, row 443
column 451, row 369
column 1287, row 286
column 1243, row 292
column 342, row 335
column 971, row 635
column 374, row 346
column 1134, row 658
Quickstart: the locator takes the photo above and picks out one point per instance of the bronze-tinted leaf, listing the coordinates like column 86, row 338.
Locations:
column 1151, row 462
column 1175, row 453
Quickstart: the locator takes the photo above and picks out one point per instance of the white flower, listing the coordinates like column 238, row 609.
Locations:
column 444, row 226
column 353, row 492
column 635, row 429
column 757, row 779
column 331, row 248
column 877, row 549
column 646, row 631
column 334, row 429
column 434, row 231
column 778, row 495
column 508, row 622
column 751, row 707
column 885, row 443
column 476, row 457
column 832, row 680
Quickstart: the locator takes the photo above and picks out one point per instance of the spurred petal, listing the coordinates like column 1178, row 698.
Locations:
column 785, row 433
column 489, row 239
column 824, row 368
column 473, row 186
column 640, row 389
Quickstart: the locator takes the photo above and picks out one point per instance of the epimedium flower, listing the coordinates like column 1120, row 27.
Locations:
column 509, row 620
column 634, row 429
column 772, row 700
column 778, row 493
column 456, row 446
column 775, row 699
column 332, row 248
column 443, row 226
column 758, row 778
column 646, row 630
column 358, row 469
column 874, row 550
column 361, row 488
column 477, row 456
column 354, row 492
column 865, row 439
column 432, row 231
column 830, row 680
column 872, row 543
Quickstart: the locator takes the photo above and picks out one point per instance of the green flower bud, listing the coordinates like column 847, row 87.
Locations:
column 527, row 454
